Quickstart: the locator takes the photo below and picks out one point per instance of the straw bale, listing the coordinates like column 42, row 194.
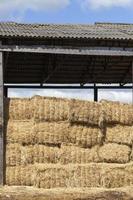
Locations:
column 20, row 175
column 51, row 176
column 18, row 109
column 74, row 154
column 28, row 132
column 46, row 154
column 55, row 176
column 27, row 155
column 84, row 136
column 50, row 109
column 23, row 155
column 17, row 154
column 119, row 134
column 85, row 112
column 114, row 153
column 116, row 112
column 131, row 155
column 20, row 132
column 117, row 175
column 51, row 132
column 84, row 175
column 73, row 175
column 13, row 154
column 57, row 133
column 101, row 175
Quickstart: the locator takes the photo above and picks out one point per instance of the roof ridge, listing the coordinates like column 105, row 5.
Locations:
column 113, row 23
column 43, row 24
column 63, row 24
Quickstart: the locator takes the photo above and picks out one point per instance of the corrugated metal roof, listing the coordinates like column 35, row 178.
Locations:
column 96, row 31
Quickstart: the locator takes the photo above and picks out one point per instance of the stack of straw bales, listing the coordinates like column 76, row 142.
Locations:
column 61, row 143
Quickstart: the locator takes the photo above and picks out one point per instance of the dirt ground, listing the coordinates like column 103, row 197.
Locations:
column 30, row 193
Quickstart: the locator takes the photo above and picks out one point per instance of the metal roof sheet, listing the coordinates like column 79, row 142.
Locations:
column 71, row 31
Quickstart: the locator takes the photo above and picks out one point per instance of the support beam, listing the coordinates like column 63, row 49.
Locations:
column 54, row 68
column 89, row 72
column 64, row 87
column 1, row 123
column 68, row 50
column 95, row 93
column 122, row 81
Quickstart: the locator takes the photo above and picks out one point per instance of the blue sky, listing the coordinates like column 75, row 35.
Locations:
column 75, row 14
column 69, row 11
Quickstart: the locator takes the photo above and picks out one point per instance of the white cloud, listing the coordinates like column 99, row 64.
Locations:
column 10, row 9
column 97, row 4
column 119, row 95
column 113, row 95
column 63, row 93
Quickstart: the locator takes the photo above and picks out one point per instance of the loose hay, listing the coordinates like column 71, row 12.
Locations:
column 84, row 136
column 85, row 112
column 18, row 109
column 20, row 175
column 116, row 112
column 114, row 153
column 77, row 155
column 51, row 132
column 20, row 132
column 119, row 134
column 31, row 193
column 50, row 109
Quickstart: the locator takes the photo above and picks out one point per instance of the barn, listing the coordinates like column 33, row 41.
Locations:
column 79, row 149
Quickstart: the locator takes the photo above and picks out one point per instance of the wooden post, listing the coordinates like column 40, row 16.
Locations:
column 1, row 122
column 132, row 81
column 5, row 91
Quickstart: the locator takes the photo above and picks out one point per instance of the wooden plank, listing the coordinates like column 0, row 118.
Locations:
column 24, row 193
column 1, row 121
column 67, row 50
